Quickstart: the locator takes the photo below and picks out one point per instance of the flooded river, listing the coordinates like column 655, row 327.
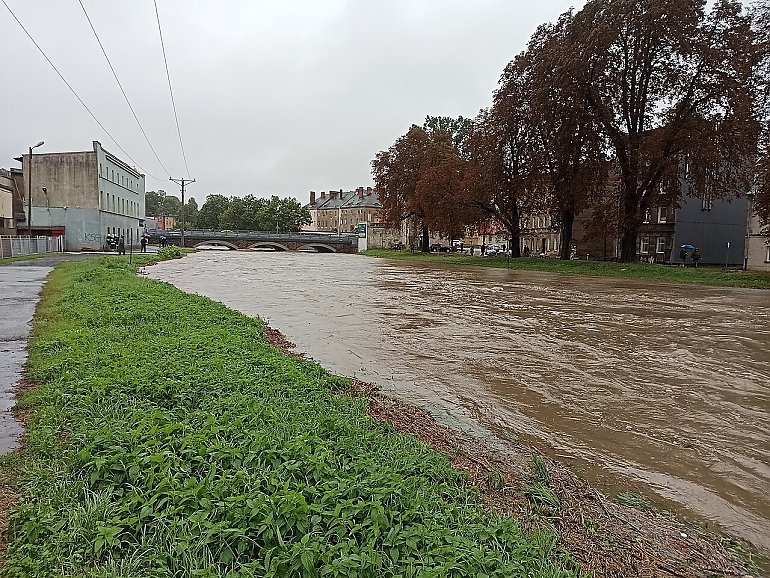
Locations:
column 660, row 388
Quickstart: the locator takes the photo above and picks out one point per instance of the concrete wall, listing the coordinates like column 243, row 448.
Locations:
column 82, row 227
column 70, row 180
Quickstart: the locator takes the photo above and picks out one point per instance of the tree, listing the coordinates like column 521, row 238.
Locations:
column 570, row 147
column 407, row 174
column 671, row 88
column 170, row 205
column 505, row 176
column 397, row 172
column 282, row 215
column 211, row 211
column 762, row 188
column 152, row 202
column 191, row 213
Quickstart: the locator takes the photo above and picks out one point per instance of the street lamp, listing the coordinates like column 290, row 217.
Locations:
column 29, row 191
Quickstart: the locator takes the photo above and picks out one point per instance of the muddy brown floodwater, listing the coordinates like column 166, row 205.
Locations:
column 659, row 388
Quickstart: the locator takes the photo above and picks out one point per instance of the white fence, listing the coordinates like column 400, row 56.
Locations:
column 17, row 246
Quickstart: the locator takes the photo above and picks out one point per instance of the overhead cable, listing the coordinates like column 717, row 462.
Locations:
column 76, row 94
column 171, row 92
column 115, row 74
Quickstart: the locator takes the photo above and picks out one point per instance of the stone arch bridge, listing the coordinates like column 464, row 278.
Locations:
column 319, row 242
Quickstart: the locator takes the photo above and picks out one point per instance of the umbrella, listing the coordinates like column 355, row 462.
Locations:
column 688, row 246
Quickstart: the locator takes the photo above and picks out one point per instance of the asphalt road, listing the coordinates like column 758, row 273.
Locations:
column 20, row 284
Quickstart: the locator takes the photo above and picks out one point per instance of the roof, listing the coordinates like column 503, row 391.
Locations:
column 347, row 200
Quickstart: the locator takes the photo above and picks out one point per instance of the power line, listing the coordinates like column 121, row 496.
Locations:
column 115, row 74
column 171, row 92
column 75, row 93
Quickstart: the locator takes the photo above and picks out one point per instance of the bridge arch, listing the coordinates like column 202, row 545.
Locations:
column 216, row 242
column 318, row 247
column 268, row 245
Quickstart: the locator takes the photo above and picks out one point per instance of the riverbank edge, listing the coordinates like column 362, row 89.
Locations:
column 51, row 441
column 605, row 537
column 707, row 276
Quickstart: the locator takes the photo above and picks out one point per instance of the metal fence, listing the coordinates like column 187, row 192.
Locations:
column 18, row 246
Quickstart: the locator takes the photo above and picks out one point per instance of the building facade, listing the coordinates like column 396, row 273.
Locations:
column 7, row 194
column 342, row 211
column 757, row 242
column 85, row 196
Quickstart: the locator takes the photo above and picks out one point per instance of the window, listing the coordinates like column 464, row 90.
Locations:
column 662, row 215
column 767, row 257
column 707, row 202
column 661, row 245
column 644, row 245
column 101, row 173
column 646, row 216
column 113, row 176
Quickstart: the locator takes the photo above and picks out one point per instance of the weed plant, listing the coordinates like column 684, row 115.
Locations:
column 167, row 439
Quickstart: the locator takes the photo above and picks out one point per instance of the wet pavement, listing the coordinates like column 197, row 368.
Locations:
column 19, row 294
column 660, row 388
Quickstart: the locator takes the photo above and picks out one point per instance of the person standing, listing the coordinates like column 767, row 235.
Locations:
column 122, row 246
column 143, row 244
column 696, row 257
column 683, row 256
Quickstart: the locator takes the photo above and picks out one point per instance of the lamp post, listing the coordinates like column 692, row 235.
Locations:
column 29, row 191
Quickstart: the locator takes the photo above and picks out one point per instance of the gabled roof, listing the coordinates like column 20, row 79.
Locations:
column 361, row 198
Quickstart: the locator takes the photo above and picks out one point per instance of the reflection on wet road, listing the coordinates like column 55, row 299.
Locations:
column 655, row 386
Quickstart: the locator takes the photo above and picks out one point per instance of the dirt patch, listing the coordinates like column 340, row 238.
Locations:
column 607, row 539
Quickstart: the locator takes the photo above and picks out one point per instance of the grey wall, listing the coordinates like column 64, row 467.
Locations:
column 710, row 230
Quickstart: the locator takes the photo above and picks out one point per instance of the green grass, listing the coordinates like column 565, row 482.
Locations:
column 715, row 276
column 167, row 439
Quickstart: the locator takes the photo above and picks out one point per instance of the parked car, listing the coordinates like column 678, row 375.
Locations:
column 492, row 250
column 397, row 246
column 437, row 248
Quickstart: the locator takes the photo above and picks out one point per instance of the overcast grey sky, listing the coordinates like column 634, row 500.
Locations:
column 274, row 97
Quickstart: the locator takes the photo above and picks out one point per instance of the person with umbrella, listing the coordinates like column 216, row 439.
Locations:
column 683, row 253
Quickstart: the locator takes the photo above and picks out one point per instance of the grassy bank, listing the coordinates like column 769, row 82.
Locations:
column 167, row 439
column 668, row 274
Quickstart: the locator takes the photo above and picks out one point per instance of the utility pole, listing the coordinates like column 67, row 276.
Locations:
column 182, row 182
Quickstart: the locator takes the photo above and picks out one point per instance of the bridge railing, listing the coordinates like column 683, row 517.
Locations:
column 306, row 237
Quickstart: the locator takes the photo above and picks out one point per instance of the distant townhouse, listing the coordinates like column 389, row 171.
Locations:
column 342, row 211
column 84, row 196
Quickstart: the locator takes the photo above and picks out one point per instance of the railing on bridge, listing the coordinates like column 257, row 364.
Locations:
column 299, row 236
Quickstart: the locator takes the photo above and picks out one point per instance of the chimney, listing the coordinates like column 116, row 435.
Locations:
column 312, row 197
column 368, row 191
column 360, row 191
column 323, row 194
column 332, row 194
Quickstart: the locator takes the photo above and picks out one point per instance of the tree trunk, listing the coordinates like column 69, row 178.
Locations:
column 630, row 220
column 567, row 222
column 515, row 241
column 425, row 241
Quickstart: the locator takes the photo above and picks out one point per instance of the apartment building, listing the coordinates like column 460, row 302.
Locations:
column 85, row 195
column 342, row 211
